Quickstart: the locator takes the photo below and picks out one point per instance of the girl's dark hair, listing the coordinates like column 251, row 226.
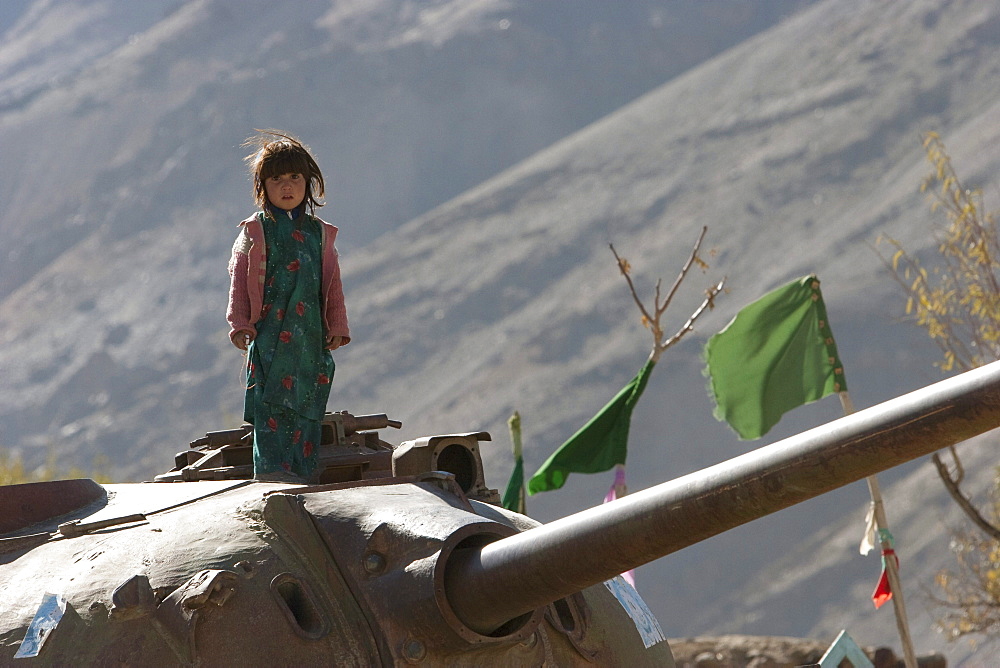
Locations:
column 280, row 153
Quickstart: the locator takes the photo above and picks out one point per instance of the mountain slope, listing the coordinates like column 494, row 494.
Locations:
column 142, row 106
column 797, row 162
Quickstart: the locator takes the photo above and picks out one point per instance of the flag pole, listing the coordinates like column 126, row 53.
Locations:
column 513, row 496
column 514, row 424
column 891, row 567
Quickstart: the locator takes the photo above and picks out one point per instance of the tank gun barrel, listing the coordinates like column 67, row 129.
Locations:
column 356, row 423
column 490, row 585
column 216, row 439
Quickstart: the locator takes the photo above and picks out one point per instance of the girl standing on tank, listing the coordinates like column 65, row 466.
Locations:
column 286, row 307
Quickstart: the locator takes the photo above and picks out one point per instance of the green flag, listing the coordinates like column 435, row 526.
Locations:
column 513, row 496
column 599, row 444
column 776, row 354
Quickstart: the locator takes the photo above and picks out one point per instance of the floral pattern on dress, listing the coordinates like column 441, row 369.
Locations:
column 289, row 369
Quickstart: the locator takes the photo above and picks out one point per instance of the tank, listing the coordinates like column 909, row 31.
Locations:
column 398, row 556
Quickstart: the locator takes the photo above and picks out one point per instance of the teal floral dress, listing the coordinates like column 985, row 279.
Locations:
column 288, row 368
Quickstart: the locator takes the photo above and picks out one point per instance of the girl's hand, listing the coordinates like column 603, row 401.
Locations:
column 242, row 340
column 334, row 342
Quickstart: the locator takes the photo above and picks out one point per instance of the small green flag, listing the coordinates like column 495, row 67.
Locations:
column 777, row 354
column 599, row 444
column 513, row 496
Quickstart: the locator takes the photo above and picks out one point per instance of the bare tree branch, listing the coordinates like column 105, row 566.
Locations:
column 659, row 308
column 708, row 303
column 951, row 484
column 680, row 277
column 623, row 267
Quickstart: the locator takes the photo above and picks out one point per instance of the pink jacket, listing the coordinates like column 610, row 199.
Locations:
column 246, row 292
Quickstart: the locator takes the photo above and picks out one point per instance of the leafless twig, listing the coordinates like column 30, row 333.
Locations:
column 652, row 321
column 951, row 483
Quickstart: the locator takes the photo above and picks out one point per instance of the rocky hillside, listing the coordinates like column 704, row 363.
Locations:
column 130, row 115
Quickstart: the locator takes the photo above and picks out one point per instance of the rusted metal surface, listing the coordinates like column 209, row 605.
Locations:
column 30, row 503
column 216, row 439
column 457, row 454
column 17, row 543
column 75, row 528
column 350, row 449
column 356, row 423
column 218, row 580
column 509, row 577
column 393, row 557
column 376, row 570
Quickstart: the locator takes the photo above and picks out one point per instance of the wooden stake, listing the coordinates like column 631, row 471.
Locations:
column 891, row 568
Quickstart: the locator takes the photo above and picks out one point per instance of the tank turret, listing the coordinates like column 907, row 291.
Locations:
column 398, row 556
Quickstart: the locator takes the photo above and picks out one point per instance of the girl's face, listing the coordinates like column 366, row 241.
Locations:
column 286, row 191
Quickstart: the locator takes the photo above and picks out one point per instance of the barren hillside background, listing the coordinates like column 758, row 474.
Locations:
column 481, row 155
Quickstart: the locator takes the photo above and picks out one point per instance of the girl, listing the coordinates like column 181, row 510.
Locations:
column 286, row 307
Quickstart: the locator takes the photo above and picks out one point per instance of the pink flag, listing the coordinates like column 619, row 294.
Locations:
column 618, row 490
